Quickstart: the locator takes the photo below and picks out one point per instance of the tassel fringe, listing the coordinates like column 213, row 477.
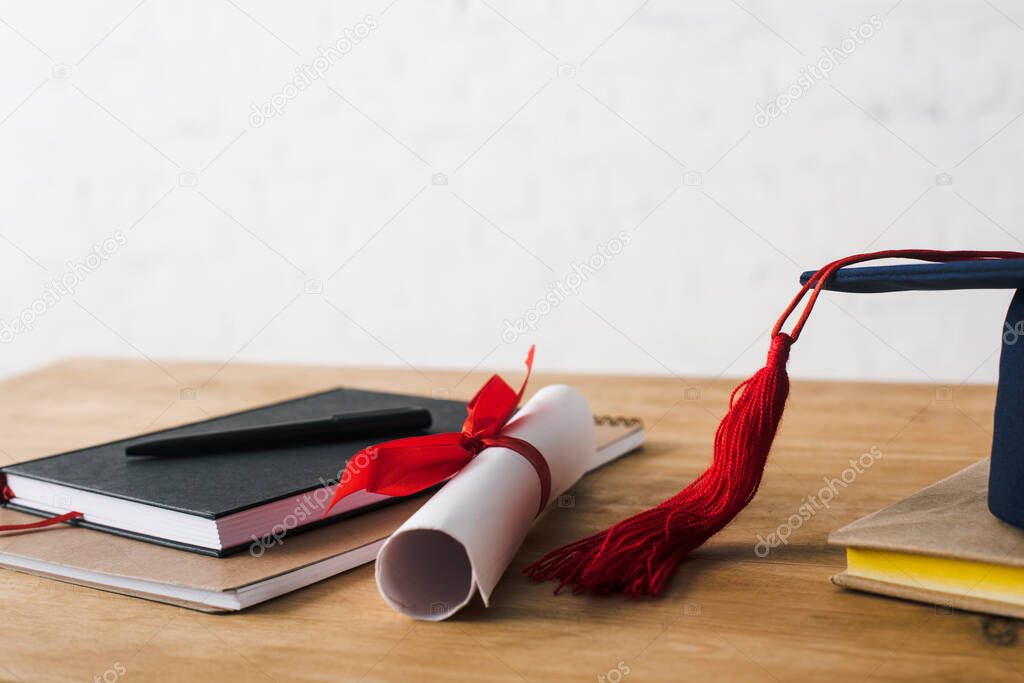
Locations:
column 639, row 555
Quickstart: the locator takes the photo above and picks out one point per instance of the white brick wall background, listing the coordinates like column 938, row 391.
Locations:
column 447, row 172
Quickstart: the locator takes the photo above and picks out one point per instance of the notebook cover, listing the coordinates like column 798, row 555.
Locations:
column 70, row 547
column 947, row 519
column 212, row 486
column 967, row 603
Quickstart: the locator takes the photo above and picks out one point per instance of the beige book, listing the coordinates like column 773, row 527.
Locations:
column 940, row 546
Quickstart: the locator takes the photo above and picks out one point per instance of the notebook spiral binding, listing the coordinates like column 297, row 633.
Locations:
column 616, row 420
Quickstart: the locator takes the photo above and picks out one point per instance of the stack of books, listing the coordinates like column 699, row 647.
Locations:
column 221, row 531
column 941, row 546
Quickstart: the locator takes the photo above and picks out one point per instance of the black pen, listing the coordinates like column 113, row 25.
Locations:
column 333, row 427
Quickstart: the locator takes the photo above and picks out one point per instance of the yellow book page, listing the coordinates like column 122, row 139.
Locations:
column 945, row 575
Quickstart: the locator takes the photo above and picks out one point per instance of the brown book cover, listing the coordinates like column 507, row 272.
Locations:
column 949, row 519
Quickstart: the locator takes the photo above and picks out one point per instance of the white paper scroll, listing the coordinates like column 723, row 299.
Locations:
column 465, row 536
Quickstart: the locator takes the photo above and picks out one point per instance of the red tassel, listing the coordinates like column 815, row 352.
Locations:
column 638, row 555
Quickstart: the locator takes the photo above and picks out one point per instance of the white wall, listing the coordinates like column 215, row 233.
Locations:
column 110, row 111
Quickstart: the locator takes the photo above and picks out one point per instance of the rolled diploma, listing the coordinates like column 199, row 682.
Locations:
column 465, row 536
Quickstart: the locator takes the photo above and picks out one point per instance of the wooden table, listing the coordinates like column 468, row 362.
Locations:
column 728, row 614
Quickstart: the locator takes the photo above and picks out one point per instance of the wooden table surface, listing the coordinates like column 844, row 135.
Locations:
column 727, row 615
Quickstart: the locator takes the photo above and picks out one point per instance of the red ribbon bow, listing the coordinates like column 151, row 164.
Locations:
column 406, row 466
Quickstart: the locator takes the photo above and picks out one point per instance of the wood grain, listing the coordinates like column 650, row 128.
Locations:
column 728, row 615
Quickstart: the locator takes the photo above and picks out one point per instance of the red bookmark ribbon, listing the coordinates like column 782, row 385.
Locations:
column 405, row 466
column 6, row 494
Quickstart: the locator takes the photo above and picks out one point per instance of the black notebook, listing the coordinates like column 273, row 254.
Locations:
column 216, row 504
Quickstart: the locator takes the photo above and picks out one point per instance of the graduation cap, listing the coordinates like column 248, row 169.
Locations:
column 1006, row 475
column 639, row 555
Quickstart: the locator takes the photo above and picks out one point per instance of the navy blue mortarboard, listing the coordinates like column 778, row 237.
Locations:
column 1006, row 478
column 639, row 555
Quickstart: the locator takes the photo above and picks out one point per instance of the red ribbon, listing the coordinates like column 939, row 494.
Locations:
column 406, row 466
column 7, row 494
